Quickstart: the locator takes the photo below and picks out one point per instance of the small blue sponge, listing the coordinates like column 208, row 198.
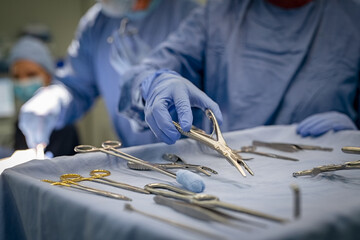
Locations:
column 190, row 181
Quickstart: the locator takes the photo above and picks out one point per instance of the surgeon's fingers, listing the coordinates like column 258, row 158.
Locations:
column 160, row 122
column 319, row 129
column 165, row 124
column 306, row 126
column 183, row 109
column 201, row 100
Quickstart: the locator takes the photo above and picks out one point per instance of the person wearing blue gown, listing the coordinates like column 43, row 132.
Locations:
column 253, row 62
column 111, row 36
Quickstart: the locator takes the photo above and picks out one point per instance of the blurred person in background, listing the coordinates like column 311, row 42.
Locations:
column 31, row 67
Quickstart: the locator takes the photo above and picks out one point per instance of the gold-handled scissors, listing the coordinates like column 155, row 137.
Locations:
column 98, row 175
column 72, row 184
column 205, row 200
column 110, row 147
column 218, row 144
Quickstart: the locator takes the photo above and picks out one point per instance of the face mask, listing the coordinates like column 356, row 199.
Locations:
column 116, row 8
column 25, row 89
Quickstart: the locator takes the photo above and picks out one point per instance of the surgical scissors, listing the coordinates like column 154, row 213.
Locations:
column 109, row 147
column 252, row 149
column 289, row 147
column 72, row 184
column 98, row 175
column 179, row 164
column 218, row 144
column 205, row 200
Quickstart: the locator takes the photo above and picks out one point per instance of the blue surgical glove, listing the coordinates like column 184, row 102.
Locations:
column 319, row 124
column 165, row 90
column 40, row 115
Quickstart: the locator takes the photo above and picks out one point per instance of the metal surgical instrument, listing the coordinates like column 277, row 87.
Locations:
column 352, row 150
column 176, row 159
column 217, row 144
column 289, row 147
column 98, row 175
column 197, row 168
column 204, row 214
column 130, row 208
column 68, row 183
column 329, row 168
column 205, row 200
column 175, row 165
column 296, row 190
column 109, row 147
column 252, row 149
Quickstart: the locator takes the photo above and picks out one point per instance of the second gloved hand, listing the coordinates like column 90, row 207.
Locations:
column 39, row 116
column 165, row 90
column 319, row 124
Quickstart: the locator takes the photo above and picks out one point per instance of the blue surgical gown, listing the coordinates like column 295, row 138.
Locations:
column 94, row 67
column 267, row 65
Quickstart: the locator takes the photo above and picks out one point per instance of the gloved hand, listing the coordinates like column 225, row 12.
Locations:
column 39, row 116
column 319, row 124
column 165, row 90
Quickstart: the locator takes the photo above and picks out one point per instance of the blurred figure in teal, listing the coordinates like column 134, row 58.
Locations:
column 32, row 67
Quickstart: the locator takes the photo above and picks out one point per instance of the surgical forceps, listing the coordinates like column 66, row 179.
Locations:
column 109, row 147
column 328, row 168
column 72, row 184
column 175, row 165
column 289, row 147
column 204, row 200
column 98, row 175
column 252, row 149
column 217, row 144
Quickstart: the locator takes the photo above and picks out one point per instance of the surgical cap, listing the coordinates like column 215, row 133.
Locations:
column 32, row 49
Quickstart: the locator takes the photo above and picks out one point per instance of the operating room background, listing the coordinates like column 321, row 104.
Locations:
column 61, row 17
